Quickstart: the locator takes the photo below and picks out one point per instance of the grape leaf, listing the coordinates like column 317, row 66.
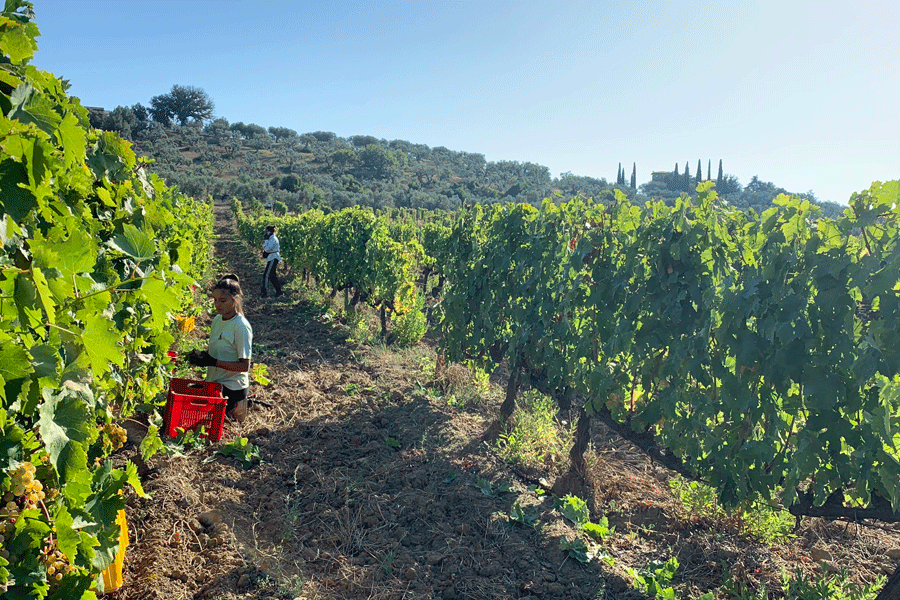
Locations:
column 101, row 341
column 134, row 243
column 71, row 137
column 66, row 426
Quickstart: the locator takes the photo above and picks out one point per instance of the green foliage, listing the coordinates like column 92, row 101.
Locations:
column 358, row 326
column 240, row 449
column 800, row 586
column 411, row 325
column 96, row 257
column 576, row 549
column 186, row 439
column 490, row 490
column 769, row 524
column 583, row 552
column 825, row 587
column 261, row 373
column 533, row 436
column 654, row 579
column 576, row 510
column 599, row 532
column 573, row 508
column 182, row 103
column 349, row 251
column 517, row 515
column 734, row 339
column 152, row 442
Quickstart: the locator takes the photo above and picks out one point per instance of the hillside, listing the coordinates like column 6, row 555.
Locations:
column 298, row 171
column 377, row 481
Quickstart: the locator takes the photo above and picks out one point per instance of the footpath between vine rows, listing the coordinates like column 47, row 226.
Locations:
column 367, row 489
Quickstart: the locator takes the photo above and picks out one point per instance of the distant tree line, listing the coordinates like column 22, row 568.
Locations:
column 293, row 171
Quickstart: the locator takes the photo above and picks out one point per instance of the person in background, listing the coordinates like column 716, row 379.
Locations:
column 230, row 340
column 272, row 253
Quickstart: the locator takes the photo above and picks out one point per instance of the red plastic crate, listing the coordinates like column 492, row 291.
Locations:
column 190, row 387
column 191, row 404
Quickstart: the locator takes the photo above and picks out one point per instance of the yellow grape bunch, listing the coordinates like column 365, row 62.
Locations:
column 116, row 435
column 25, row 492
column 55, row 562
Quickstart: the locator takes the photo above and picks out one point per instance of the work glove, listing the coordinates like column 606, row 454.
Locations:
column 201, row 359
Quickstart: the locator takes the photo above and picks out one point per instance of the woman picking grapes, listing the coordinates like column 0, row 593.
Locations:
column 230, row 341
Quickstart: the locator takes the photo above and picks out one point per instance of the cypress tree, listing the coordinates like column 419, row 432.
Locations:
column 699, row 172
column 687, row 177
column 721, row 176
column 676, row 179
column 619, row 176
column 709, row 169
column 634, row 176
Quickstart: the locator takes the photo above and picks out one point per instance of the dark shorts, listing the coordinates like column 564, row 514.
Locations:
column 233, row 397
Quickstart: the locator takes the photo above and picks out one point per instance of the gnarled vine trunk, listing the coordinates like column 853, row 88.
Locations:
column 574, row 481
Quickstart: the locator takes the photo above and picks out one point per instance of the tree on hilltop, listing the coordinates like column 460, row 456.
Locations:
column 182, row 103
column 282, row 133
column 361, row 141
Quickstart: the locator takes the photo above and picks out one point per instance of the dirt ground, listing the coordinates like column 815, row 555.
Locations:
column 367, row 489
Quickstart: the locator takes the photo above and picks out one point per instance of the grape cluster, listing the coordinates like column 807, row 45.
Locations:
column 55, row 562
column 117, row 436
column 25, row 492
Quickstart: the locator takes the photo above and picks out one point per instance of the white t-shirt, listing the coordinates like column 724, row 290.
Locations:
column 230, row 341
column 272, row 246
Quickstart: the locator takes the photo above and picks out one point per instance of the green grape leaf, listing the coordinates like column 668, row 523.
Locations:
column 46, row 361
column 67, row 538
column 15, row 199
column 44, row 296
column 134, row 243
column 77, row 254
column 77, row 490
column 152, row 443
column 161, row 299
column 66, row 429
column 30, row 529
column 18, row 41
column 28, row 301
column 104, row 196
column 14, row 360
column 111, row 157
column 101, row 341
column 71, row 137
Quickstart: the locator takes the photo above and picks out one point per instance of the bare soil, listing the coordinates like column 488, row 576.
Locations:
column 367, row 490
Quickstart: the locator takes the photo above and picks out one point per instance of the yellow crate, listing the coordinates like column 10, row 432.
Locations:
column 112, row 575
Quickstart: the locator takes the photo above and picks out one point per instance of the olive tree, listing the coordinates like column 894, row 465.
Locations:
column 182, row 103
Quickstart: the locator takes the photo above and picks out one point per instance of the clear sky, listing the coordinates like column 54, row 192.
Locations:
column 803, row 94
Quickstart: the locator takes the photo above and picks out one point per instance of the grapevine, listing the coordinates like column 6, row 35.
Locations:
column 98, row 255
column 349, row 251
column 728, row 339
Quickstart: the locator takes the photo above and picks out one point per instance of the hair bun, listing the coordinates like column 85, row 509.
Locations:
column 232, row 277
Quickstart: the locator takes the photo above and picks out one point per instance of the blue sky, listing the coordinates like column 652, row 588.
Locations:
column 803, row 94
